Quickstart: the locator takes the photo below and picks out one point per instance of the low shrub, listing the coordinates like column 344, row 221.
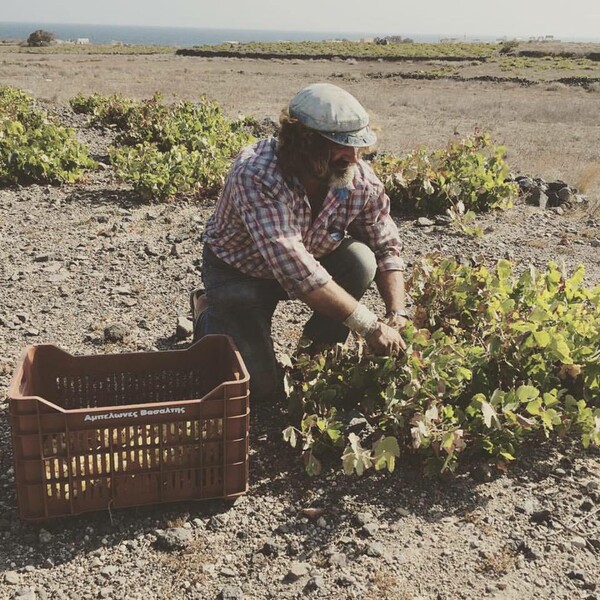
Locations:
column 468, row 175
column 107, row 111
column 35, row 149
column 491, row 361
column 168, row 149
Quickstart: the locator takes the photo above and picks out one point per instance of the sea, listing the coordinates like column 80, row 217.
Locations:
column 186, row 36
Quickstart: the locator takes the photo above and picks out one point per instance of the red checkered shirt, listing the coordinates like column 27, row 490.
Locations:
column 262, row 224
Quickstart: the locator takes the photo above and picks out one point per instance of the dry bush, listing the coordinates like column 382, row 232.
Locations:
column 556, row 86
column 589, row 178
column 500, row 562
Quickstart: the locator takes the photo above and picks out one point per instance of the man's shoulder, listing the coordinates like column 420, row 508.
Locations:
column 259, row 158
column 366, row 178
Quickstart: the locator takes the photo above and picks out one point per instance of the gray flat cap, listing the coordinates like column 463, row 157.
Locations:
column 334, row 113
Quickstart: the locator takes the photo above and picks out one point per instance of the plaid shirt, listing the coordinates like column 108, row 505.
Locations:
column 262, row 224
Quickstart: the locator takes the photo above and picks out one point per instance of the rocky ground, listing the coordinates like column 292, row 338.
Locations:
column 77, row 260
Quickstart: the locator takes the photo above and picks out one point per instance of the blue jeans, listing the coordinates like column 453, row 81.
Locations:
column 242, row 306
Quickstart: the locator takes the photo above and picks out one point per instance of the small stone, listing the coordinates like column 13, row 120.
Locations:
column 424, row 222
column 370, row 529
column 364, row 517
column 527, row 507
column 321, row 522
column 592, row 486
column 345, row 580
column 559, row 210
column 375, row 549
column 565, row 194
column 443, row 220
column 176, row 538
column 231, row 592
column 315, row 583
column 197, row 523
column 297, row 571
column 481, row 473
column 150, row 251
column 338, row 559
column 595, row 243
column 541, row 516
column 540, row 582
column 109, row 571
column 217, row 522
column 542, row 200
column 578, row 542
column 184, row 329
column 402, row 512
column 115, row 333
column 271, row 548
column 12, row 578
column 45, row 536
column 228, row 572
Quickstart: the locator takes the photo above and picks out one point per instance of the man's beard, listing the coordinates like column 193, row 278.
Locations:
column 338, row 174
column 341, row 176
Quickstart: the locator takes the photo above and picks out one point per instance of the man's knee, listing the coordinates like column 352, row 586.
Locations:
column 353, row 266
column 365, row 262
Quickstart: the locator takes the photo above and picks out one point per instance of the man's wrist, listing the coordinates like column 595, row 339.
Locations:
column 362, row 321
column 397, row 312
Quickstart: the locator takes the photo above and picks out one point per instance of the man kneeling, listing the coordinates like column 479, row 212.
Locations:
column 302, row 216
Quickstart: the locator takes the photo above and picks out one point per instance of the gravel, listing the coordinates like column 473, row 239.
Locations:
column 92, row 269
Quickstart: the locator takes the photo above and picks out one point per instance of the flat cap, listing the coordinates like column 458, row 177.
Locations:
column 334, row 113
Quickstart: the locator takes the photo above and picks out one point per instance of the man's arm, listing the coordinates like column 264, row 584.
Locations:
column 391, row 288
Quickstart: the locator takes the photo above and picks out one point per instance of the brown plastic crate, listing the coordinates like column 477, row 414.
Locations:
column 118, row 430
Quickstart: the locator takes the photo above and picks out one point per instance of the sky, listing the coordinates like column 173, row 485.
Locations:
column 513, row 18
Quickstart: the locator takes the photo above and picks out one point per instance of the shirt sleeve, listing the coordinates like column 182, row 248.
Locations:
column 375, row 227
column 274, row 229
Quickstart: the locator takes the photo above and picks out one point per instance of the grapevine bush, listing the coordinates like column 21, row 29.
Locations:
column 491, row 361
column 34, row 148
column 167, row 149
column 467, row 175
column 348, row 49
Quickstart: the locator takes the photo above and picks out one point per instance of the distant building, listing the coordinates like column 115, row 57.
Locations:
column 82, row 41
column 543, row 38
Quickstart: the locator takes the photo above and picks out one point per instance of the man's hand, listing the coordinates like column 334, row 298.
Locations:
column 398, row 322
column 385, row 340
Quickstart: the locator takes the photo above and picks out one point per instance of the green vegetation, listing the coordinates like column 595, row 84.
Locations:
column 546, row 63
column 492, row 361
column 168, row 149
column 97, row 49
column 354, row 49
column 33, row 148
column 467, row 175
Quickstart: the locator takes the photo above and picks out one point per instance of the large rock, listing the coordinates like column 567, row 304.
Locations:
column 176, row 538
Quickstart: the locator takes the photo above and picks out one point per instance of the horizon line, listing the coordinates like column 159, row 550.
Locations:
column 315, row 31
